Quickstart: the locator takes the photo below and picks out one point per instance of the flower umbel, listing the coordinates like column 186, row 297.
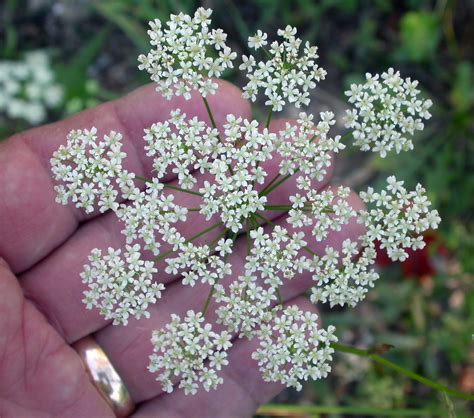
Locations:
column 287, row 76
column 227, row 179
column 399, row 218
column 183, row 55
column 120, row 286
column 191, row 350
column 89, row 169
column 293, row 348
column 387, row 112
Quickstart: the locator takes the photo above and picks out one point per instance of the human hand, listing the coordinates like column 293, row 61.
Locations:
column 46, row 246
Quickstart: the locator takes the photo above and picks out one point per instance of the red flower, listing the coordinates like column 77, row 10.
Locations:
column 420, row 263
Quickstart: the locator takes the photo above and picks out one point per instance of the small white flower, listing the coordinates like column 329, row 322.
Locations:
column 386, row 113
column 294, row 348
column 286, row 77
column 88, row 169
column 258, row 40
column 401, row 219
column 181, row 58
column 191, row 350
column 120, row 286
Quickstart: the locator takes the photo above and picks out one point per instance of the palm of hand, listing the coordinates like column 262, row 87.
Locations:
column 46, row 245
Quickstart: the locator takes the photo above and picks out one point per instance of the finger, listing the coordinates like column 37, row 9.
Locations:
column 239, row 396
column 60, row 270
column 31, row 222
column 40, row 375
column 129, row 347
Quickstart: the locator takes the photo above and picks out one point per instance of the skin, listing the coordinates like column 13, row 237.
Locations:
column 44, row 245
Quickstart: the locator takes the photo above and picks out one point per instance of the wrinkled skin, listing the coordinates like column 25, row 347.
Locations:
column 44, row 246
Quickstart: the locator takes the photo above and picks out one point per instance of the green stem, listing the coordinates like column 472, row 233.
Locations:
column 204, row 231
column 270, row 189
column 412, row 375
column 278, row 207
column 188, row 209
column 179, row 189
column 247, row 236
column 211, row 292
column 146, row 180
column 194, row 237
column 169, row 186
column 269, row 118
column 209, row 112
column 280, row 299
column 214, row 125
column 268, row 221
column 270, row 184
column 267, row 52
column 281, row 410
column 286, row 208
column 309, row 250
column 216, row 239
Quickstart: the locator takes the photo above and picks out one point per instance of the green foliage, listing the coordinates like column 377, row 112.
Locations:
column 72, row 74
column 131, row 16
column 118, row 13
column 462, row 92
column 420, row 34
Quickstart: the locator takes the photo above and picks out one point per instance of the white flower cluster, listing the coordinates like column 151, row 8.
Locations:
column 187, row 145
column 323, row 210
column 236, row 170
column 191, row 350
column 120, row 286
column 89, row 169
column 344, row 278
column 246, row 305
column 28, row 89
column 249, row 300
column 399, row 217
column 287, row 76
column 197, row 263
column 123, row 287
column 386, row 112
column 149, row 215
column 306, row 147
column 182, row 144
column 186, row 55
column 233, row 189
column 293, row 348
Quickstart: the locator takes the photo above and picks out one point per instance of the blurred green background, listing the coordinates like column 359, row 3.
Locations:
column 423, row 308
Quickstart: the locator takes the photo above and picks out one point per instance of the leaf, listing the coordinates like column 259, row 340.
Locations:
column 420, row 33
column 73, row 75
column 115, row 13
column 89, row 51
column 462, row 92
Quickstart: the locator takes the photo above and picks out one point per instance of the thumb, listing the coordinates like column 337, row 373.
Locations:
column 40, row 375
